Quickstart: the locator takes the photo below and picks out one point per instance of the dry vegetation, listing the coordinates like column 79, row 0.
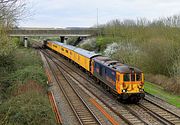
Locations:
column 24, row 91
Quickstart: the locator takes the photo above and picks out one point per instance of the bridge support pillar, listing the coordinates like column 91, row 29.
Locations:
column 62, row 39
column 25, row 42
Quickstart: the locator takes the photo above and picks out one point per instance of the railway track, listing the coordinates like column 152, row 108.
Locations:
column 163, row 104
column 166, row 116
column 162, row 115
column 81, row 110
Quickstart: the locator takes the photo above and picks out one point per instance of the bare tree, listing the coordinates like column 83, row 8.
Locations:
column 11, row 11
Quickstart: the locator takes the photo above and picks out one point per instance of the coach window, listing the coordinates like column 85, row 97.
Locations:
column 55, row 46
column 66, row 51
column 62, row 49
column 78, row 57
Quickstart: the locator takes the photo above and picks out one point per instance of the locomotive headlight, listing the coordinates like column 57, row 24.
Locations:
column 141, row 90
column 123, row 90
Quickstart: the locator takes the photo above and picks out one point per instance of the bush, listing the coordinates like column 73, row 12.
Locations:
column 30, row 108
column 6, row 63
column 6, row 53
column 17, row 41
column 175, row 70
column 171, row 85
column 102, row 42
column 26, row 57
column 29, row 73
column 125, row 52
column 71, row 40
column 21, row 70
column 23, row 98
column 159, row 55
column 88, row 44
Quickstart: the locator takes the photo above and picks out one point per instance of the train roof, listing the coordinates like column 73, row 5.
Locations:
column 116, row 65
column 86, row 53
column 82, row 52
column 64, row 45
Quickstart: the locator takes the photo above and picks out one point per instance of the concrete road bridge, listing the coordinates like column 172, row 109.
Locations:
column 63, row 33
column 27, row 32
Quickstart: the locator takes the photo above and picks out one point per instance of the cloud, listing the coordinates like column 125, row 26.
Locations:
column 56, row 13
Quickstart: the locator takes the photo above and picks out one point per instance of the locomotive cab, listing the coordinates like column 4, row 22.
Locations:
column 131, row 85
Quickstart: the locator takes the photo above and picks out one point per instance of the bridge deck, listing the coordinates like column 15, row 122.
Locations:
column 53, row 32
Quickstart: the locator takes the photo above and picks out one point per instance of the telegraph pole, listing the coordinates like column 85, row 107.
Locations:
column 97, row 17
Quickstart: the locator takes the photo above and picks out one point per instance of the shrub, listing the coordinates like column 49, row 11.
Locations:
column 26, row 57
column 29, row 73
column 6, row 62
column 23, row 98
column 171, row 85
column 89, row 44
column 125, row 52
column 17, row 41
column 175, row 70
column 29, row 108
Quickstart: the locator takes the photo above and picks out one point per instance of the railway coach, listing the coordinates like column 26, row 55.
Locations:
column 125, row 81
column 80, row 56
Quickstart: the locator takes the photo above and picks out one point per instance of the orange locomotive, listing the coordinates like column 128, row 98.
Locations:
column 125, row 81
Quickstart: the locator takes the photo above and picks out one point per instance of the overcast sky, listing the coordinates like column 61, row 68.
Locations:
column 72, row 13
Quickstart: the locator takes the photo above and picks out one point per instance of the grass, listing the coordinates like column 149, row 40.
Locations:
column 159, row 92
column 30, row 108
column 23, row 97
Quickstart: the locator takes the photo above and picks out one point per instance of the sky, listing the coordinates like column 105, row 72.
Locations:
column 83, row 13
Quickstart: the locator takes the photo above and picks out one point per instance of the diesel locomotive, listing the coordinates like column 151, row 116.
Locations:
column 125, row 81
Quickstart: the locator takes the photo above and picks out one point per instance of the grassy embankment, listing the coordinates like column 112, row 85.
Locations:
column 153, row 47
column 23, row 88
column 159, row 92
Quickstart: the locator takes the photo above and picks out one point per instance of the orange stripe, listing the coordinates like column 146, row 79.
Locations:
column 58, row 119
column 102, row 110
column 54, row 107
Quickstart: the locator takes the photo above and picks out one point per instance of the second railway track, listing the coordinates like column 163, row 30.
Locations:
column 166, row 116
column 81, row 110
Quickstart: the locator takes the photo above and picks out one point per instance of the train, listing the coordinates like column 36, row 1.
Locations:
column 125, row 81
